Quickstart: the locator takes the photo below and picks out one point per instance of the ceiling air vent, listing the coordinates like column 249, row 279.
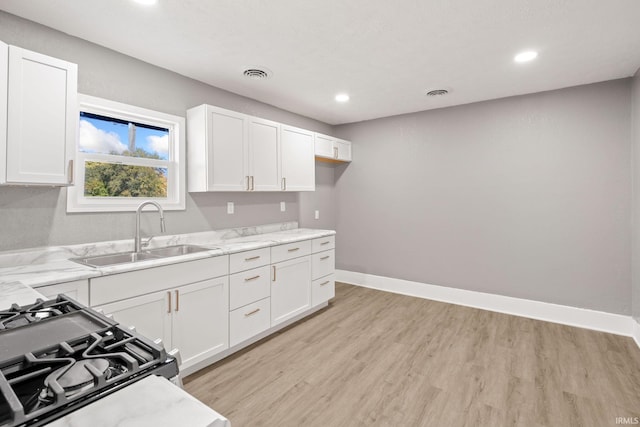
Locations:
column 256, row 73
column 437, row 92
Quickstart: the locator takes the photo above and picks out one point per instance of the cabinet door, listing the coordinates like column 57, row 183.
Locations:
column 78, row 290
column 290, row 289
column 264, row 154
column 298, row 161
column 343, row 150
column 150, row 314
column 227, row 151
column 201, row 319
column 42, row 118
column 324, row 146
column 4, row 65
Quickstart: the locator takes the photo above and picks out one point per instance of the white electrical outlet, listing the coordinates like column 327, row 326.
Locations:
column 317, row 216
column 230, row 209
column 283, row 206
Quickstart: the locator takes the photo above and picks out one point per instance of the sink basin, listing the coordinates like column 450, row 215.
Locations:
column 176, row 250
column 130, row 257
column 115, row 259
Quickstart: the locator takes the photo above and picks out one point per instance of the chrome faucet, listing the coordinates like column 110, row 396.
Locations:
column 137, row 243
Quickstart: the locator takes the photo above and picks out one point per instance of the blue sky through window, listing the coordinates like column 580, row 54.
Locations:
column 100, row 134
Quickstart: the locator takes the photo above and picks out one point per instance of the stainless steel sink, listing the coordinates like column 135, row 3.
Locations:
column 115, row 259
column 131, row 257
column 177, row 250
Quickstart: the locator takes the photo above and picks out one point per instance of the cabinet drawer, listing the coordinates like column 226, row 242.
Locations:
column 250, row 259
column 322, row 263
column 120, row 286
column 323, row 244
column 249, row 321
column 323, row 290
column 290, row 250
column 249, row 286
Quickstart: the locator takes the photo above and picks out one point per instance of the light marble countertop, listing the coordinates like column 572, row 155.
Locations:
column 152, row 401
column 17, row 293
column 51, row 265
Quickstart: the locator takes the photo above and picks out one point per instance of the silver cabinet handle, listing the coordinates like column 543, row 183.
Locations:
column 248, row 183
column 274, row 274
column 325, row 283
column 335, row 152
column 252, row 186
column 177, row 300
column 284, row 183
column 248, row 279
column 293, row 249
column 251, row 312
column 70, row 180
column 325, row 257
column 325, row 243
column 169, row 300
column 253, row 258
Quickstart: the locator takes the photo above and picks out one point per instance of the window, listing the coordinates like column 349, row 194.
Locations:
column 126, row 155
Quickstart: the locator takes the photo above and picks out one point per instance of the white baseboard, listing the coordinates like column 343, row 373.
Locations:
column 583, row 318
column 636, row 332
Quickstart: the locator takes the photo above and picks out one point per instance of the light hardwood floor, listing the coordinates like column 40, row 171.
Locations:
column 376, row 358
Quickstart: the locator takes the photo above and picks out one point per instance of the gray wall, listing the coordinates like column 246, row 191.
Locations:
column 635, row 118
column 323, row 200
column 33, row 217
column 526, row 196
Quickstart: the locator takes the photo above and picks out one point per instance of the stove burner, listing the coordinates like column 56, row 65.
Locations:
column 79, row 374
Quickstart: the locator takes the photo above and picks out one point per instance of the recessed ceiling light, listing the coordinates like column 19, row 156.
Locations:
column 526, row 56
column 146, row 2
column 342, row 97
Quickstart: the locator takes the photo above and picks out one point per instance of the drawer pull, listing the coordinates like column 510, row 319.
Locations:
column 325, row 283
column 293, row 249
column 169, row 305
column 248, row 279
column 325, row 243
column 274, row 273
column 177, row 300
column 251, row 312
column 253, row 258
column 325, row 257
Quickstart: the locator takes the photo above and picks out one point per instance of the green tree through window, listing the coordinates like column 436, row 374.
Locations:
column 121, row 180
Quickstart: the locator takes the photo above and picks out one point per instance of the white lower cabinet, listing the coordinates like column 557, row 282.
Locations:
column 192, row 318
column 78, row 290
column 290, row 289
column 205, row 312
column 150, row 314
column 323, row 289
column 248, row 321
column 200, row 322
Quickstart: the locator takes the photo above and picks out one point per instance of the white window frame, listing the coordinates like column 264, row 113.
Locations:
column 175, row 200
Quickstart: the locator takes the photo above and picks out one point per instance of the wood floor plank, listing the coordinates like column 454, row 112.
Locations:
column 376, row 358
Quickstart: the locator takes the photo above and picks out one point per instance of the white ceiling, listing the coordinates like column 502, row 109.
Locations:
column 385, row 54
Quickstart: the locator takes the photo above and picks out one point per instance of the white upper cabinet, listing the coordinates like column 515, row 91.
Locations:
column 230, row 151
column 343, row 150
column 264, row 155
column 40, row 119
column 217, row 147
column 328, row 147
column 298, row 165
column 324, row 146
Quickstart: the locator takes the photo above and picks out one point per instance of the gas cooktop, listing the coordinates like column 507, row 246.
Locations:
column 58, row 355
